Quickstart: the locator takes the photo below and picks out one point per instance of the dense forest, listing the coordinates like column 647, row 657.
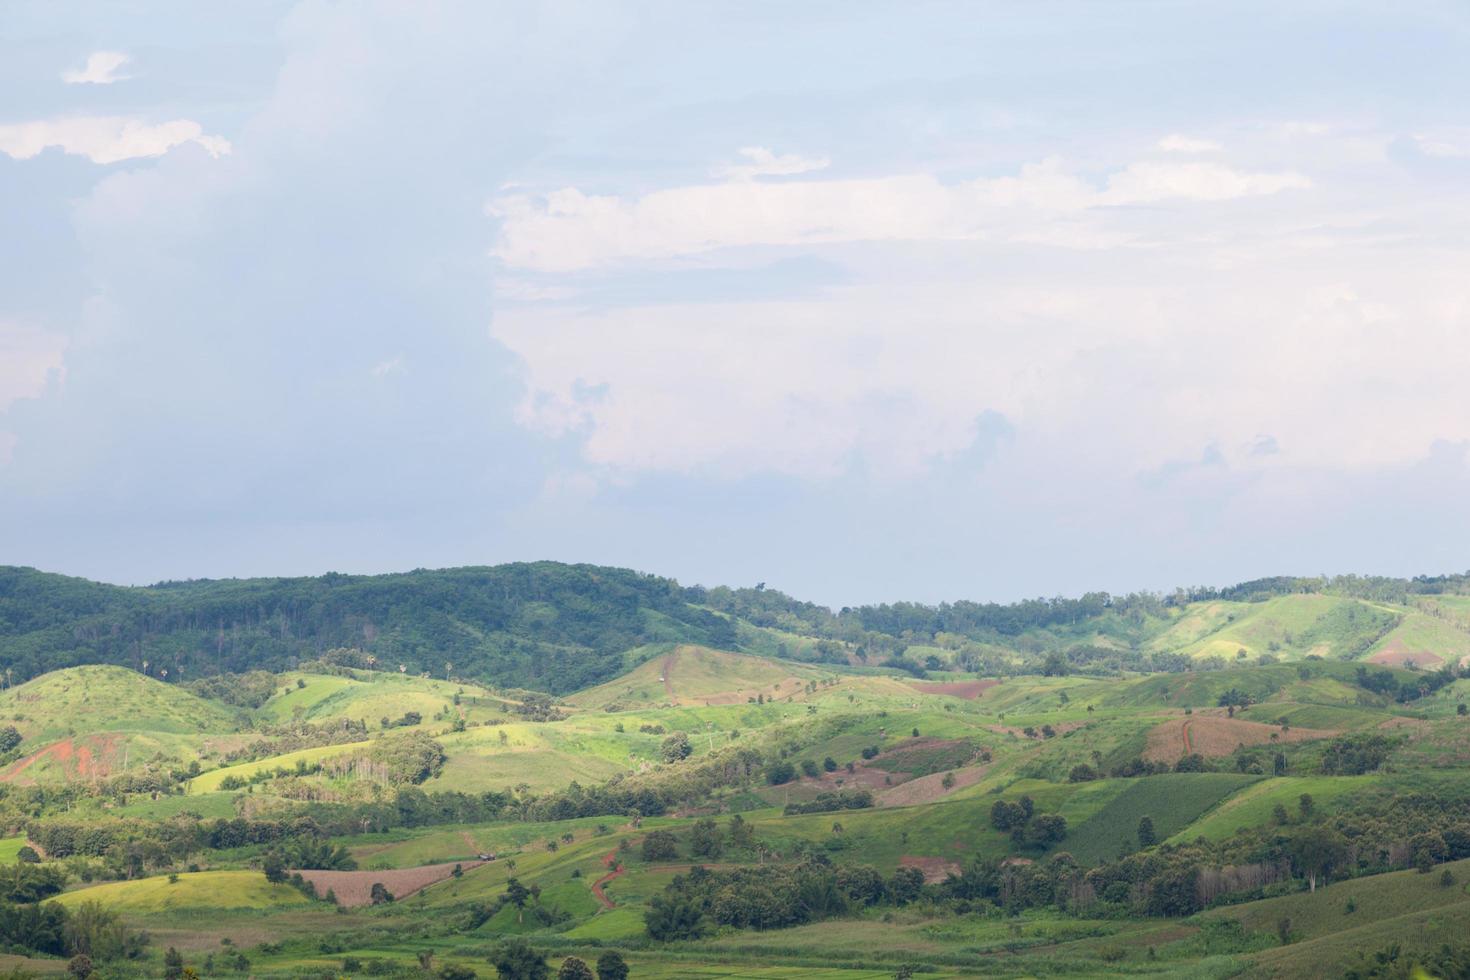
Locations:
column 543, row 625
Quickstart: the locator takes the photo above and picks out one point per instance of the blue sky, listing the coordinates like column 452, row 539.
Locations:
column 864, row 300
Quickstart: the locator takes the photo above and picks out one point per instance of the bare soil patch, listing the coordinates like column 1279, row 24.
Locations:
column 1214, row 736
column 355, row 888
column 927, row 789
column 935, row 869
column 1398, row 655
column 969, row 690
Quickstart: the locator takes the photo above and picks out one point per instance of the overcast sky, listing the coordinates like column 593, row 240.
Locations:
column 864, row 300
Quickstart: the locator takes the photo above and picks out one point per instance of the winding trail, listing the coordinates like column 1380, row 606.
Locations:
column 609, row 860
column 668, row 678
column 1188, row 745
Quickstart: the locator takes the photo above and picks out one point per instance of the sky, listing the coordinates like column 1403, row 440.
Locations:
column 864, row 300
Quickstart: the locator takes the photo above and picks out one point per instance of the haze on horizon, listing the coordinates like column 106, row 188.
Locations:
column 865, row 301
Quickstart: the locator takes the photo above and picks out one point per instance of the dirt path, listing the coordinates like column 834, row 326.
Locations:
column 609, row 860
column 1184, row 730
column 469, row 842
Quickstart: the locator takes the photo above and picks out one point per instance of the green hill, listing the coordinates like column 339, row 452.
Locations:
column 86, row 700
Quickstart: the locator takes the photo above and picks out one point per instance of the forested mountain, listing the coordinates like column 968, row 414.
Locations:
column 560, row 628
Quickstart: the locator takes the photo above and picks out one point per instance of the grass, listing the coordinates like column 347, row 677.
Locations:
column 196, row 890
column 88, row 700
column 1253, row 805
column 209, row 782
column 1172, row 801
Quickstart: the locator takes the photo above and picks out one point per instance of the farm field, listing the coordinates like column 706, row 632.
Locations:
column 731, row 813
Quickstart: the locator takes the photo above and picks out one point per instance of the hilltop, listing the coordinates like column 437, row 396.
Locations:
column 565, row 628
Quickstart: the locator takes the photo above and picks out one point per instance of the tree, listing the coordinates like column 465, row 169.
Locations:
column 516, row 960
column 780, row 772
column 1147, row 836
column 660, row 845
column 610, row 966
column 80, row 966
column 1047, row 829
column 173, row 964
column 705, row 839
column 740, row 833
column 675, row 915
column 1305, row 804
column 829, row 764
column 676, row 747
column 516, row 893
column 1278, row 765
column 574, row 969
column 274, row 867
column 380, row 894
column 454, row 971
column 1316, row 851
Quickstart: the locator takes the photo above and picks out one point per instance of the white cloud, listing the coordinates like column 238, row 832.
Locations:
column 394, row 365
column 567, row 229
column 1444, row 144
column 1179, row 143
column 100, row 69
column 764, row 163
column 105, row 139
column 1144, row 183
column 1117, row 362
column 29, row 359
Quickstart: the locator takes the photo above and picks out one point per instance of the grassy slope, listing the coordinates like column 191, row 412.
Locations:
column 200, row 890
column 83, row 700
column 695, row 675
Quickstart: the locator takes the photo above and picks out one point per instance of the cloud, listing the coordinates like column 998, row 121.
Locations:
column 764, row 163
column 568, row 229
column 1104, row 363
column 29, row 357
column 1444, row 144
column 105, row 139
column 1144, row 183
column 393, row 365
column 1178, row 143
column 101, row 69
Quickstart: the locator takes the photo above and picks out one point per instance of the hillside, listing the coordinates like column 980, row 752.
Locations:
column 697, row 675
column 565, row 628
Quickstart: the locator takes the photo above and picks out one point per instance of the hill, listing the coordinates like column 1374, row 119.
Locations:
column 559, row 628
column 692, row 675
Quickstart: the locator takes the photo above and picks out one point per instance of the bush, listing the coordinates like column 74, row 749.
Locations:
column 610, row 966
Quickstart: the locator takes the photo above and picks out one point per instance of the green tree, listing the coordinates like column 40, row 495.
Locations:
column 274, row 867
column 676, row 747
column 610, row 966
column 1315, row 851
column 173, row 964
column 1147, row 836
column 574, row 969
column 516, row 960
column 660, row 845
column 705, row 839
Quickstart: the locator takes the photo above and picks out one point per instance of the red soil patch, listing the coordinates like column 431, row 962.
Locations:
column 83, row 758
column 1214, row 736
column 355, row 888
column 935, row 869
column 969, row 690
column 1397, row 655
column 927, row 789
column 609, row 860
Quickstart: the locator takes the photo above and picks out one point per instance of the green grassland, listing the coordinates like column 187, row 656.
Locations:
column 200, row 890
column 889, row 730
column 88, row 700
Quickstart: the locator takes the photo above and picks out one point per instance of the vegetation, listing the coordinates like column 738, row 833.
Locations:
column 607, row 774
